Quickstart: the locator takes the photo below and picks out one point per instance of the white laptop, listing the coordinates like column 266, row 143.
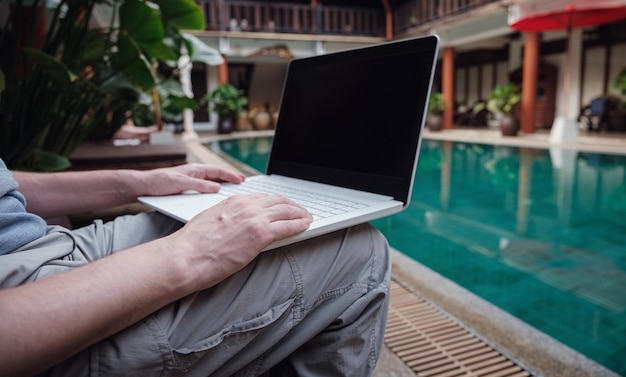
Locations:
column 349, row 128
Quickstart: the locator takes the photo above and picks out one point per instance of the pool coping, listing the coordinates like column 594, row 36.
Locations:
column 614, row 143
column 529, row 347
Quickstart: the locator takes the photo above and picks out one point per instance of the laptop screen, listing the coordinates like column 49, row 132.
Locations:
column 353, row 118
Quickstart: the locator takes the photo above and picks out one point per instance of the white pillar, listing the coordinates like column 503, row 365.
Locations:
column 575, row 63
column 565, row 127
column 320, row 48
column 184, row 65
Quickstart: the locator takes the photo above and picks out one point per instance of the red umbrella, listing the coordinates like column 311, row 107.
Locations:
column 574, row 14
column 545, row 15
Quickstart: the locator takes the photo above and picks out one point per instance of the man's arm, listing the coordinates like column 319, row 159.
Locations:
column 40, row 326
column 57, row 194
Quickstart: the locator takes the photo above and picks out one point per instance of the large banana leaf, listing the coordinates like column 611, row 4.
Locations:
column 80, row 79
column 48, row 64
column 141, row 23
column 182, row 14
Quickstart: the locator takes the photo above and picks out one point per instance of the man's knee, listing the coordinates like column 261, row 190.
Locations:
column 357, row 255
column 365, row 246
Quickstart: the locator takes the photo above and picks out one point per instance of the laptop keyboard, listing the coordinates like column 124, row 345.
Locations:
column 319, row 205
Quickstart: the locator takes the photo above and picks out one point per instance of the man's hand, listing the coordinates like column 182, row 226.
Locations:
column 226, row 237
column 175, row 180
column 65, row 193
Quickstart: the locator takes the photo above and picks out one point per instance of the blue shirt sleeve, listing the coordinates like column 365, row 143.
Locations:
column 17, row 227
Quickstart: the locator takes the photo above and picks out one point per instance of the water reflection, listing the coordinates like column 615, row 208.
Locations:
column 529, row 208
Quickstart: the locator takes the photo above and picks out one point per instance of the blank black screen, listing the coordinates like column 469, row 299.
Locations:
column 354, row 118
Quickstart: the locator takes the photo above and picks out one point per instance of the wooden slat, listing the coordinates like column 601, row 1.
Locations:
column 431, row 343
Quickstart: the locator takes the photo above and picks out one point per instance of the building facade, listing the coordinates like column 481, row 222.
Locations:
column 480, row 51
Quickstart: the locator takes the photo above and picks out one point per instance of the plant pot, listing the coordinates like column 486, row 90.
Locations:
column 262, row 121
column 434, row 122
column 225, row 125
column 509, row 125
column 243, row 123
column 616, row 120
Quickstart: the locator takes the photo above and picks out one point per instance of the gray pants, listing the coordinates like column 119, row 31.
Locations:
column 315, row 308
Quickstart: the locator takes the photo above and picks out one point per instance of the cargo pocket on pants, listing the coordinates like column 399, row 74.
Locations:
column 220, row 347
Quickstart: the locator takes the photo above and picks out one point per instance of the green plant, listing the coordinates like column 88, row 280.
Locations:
column 227, row 101
column 76, row 80
column 503, row 100
column 436, row 104
column 620, row 83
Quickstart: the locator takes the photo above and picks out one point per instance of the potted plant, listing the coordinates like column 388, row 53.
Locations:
column 436, row 107
column 619, row 83
column 617, row 117
column 502, row 103
column 82, row 79
column 227, row 101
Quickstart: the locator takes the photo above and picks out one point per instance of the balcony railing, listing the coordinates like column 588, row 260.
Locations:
column 418, row 12
column 262, row 16
column 256, row 16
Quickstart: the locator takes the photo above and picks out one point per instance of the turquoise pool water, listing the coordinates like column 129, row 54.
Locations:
column 539, row 233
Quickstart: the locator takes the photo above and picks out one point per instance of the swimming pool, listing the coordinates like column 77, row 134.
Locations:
column 539, row 233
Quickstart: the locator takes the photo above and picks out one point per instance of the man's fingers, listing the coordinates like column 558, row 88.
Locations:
column 285, row 228
column 287, row 211
column 201, row 185
column 283, row 208
column 216, row 173
column 287, row 218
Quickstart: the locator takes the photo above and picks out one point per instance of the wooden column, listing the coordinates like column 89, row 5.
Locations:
column 388, row 20
column 529, row 82
column 447, row 87
column 222, row 72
